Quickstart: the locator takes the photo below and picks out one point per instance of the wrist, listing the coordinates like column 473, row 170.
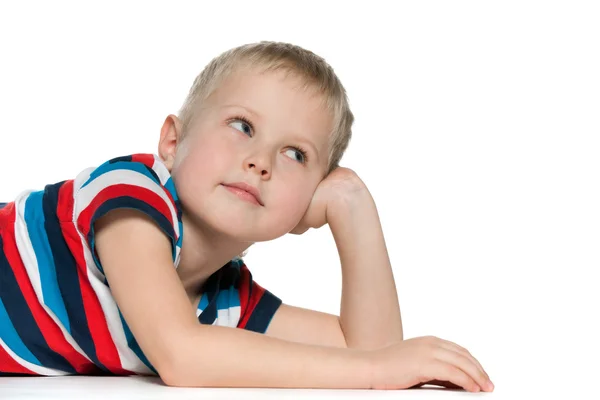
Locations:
column 371, row 365
column 365, row 367
column 346, row 201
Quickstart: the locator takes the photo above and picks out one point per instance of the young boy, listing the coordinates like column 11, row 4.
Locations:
column 111, row 272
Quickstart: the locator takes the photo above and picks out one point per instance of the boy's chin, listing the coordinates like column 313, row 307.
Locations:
column 239, row 225
column 248, row 234
column 253, row 237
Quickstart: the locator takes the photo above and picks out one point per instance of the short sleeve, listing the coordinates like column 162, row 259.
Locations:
column 232, row 298
column 140, row 182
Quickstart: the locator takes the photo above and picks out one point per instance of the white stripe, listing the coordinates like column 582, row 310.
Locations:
column 229, row 317
column 80, row 179
column 161, row 170
column 25, row 247
column 129, row 360
column 32, row 367
column 226, row 317
column 84, row 196
column 164, row 175
column 31, row 266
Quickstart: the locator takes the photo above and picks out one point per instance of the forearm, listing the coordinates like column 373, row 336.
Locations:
column 370, row 313
column 216, row 356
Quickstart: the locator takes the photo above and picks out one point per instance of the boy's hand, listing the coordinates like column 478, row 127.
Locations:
column 341, row 184
column 427, row 360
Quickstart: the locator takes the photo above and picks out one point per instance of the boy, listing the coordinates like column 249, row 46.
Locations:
column 110, row 273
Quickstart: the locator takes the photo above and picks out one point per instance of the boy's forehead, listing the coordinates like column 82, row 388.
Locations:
column 279, row 99
column 255, row 84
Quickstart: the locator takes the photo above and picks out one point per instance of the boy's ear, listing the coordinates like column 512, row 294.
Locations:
column 170, row 136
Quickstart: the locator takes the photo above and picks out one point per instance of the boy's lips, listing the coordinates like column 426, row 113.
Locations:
column 246, row 188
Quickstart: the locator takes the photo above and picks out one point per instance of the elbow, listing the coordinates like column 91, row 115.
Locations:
column 177, row 372
column 168, row 365
column 169, row 374
column 180, row 367
column 170, row 379
column 175, row 377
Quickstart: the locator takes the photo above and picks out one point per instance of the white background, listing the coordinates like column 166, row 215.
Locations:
column 477, row 132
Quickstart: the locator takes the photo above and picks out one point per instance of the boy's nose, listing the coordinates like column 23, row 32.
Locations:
column 264, row 172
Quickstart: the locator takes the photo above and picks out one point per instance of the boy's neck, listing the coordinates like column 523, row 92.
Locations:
column 203, row 252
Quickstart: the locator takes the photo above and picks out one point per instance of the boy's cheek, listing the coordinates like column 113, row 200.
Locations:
column 294, row 206
column 206, row 165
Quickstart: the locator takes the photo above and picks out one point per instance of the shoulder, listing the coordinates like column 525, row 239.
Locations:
column 141, row 177
column 139, row 182
column 136, row 169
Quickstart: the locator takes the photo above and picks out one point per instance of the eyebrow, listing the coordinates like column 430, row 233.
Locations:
column 295, row 137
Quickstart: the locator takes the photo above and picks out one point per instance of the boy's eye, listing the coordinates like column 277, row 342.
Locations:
column 299, row 155
column 245, row 127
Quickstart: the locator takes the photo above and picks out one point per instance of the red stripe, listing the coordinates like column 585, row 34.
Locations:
column 150, row 161
column 247, row 304
column 7, row 214
column 170, row 196
column 243, row 295
column 8, row 364
column 106, row 350
column 49, row 329
column 119, row 190
column 146, row 159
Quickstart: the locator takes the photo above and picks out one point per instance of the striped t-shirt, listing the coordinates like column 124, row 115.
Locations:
column 57, row 314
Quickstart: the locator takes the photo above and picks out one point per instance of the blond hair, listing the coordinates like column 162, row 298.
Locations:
column 273, row 56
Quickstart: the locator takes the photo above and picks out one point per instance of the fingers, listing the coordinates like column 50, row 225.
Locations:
column 459, row 359
column 445, row 371
column 464, row 352
column 451, row 345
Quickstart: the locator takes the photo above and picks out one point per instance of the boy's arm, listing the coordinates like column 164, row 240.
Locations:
column 303, row 325
column 136, row 258
column 370, row 314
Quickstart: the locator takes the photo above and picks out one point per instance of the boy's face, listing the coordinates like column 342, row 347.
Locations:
column 221, row 149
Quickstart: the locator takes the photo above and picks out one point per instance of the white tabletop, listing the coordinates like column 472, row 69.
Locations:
column 142, row 387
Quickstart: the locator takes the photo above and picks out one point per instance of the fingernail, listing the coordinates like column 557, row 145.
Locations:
column 490, row 385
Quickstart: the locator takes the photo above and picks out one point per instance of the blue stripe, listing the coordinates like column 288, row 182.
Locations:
column 210, row 293
column 220, row 292
column 234, row 297
column 11, row 374
column 23, row 321
column 228, row 298
column 34, row 218
column 10, row 336
column 122, row 165
column 129, row 159
column 66, row 274
column 133, row 345
column 132, row 203
column 263, row 313
column 123, row 158
column 170, row 186
column 203, row 302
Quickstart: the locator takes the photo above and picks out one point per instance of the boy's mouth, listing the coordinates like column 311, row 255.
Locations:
column 245, row 192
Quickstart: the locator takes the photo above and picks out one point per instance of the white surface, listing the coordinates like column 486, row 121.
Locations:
column 477, row 132
column 136, row 387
